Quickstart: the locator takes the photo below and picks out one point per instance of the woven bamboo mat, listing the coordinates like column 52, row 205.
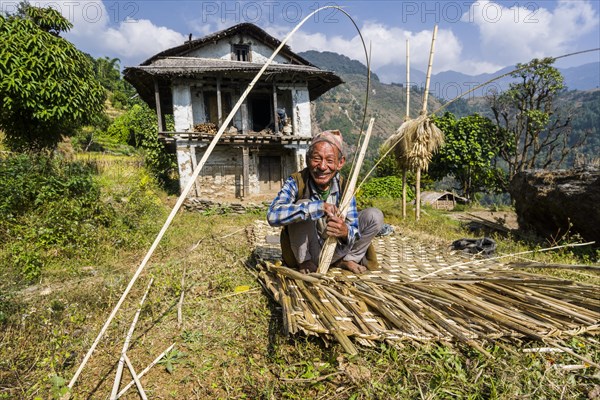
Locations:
column 424, row 292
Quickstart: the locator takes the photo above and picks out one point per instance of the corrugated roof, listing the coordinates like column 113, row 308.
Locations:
column 431, row 197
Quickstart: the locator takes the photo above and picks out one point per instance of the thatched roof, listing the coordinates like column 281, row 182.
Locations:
column 175, row 63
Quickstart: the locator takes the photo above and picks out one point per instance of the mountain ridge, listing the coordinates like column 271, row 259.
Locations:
column 449, row 84
column 343, row 106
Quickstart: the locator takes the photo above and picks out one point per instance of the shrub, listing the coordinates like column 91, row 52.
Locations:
column 52, row 211
column 138, row 127
column 387, row 187
column 47, row 205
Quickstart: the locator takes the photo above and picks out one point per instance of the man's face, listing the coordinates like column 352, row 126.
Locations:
column 324, row 163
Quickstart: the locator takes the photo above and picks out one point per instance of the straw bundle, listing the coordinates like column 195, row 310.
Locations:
column 414, row 143
column 424, row 139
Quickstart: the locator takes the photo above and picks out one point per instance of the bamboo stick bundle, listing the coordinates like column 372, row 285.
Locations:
column 465, row 309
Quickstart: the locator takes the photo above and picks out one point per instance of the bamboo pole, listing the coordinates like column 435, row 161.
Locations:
column 500, row 257
column 429, row 68
column 145, row 371
column 119, row 373
column 188, row 188
column 331, row 242
column 424, row 112
column 136, row 378
column 407, row 80
column 181, row 296
column 406, row 118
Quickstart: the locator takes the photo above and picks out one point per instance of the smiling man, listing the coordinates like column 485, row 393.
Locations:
column 307, row 208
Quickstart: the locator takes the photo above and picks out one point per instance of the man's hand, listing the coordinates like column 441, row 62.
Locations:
column 330, row 209
column 336, row 226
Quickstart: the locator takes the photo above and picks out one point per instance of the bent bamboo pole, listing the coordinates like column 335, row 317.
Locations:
column 406, row 118
column 189, row 186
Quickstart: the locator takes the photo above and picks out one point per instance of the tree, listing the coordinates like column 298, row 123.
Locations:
column 469, row 154
column 107, row 72
column 540, row 131
column 47, row 86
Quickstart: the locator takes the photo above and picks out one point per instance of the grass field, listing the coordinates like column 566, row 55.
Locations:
column 229, row 343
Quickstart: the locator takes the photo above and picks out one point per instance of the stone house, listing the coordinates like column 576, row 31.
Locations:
column 200, row 81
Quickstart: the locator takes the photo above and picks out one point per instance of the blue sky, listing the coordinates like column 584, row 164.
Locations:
column 474, row 36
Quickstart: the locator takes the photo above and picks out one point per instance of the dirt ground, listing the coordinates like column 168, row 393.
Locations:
column 504, row 218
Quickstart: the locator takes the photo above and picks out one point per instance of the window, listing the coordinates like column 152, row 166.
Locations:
column 241, row 52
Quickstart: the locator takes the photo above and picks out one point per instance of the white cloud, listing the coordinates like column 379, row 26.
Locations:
column 506, row 35
column 132, row 40
column 388, row 49
column 517, row 34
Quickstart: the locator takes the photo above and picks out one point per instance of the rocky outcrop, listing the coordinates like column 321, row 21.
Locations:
column 556, row 202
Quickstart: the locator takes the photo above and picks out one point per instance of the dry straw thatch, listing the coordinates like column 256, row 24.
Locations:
column 414, row 143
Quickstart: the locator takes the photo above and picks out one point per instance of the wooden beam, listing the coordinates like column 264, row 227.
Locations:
column 246, row 170
column 158, row 109
column 219, row 105
column 244, row 108
column 275, row 116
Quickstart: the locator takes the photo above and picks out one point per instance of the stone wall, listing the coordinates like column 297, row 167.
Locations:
column 204, row 205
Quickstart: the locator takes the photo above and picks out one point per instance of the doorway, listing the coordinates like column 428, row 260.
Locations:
column 269, row 173
column 260, row 111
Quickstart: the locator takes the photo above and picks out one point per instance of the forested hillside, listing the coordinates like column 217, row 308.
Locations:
column 342, row 108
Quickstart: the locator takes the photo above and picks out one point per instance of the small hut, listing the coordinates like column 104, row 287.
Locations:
column 442, row 200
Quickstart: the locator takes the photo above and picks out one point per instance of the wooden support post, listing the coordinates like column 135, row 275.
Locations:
column 275, row 115
column 246, row 170
column 219, row 105
column 158, row 109
column 244, row 108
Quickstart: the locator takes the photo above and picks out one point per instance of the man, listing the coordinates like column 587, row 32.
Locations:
column 307, row 208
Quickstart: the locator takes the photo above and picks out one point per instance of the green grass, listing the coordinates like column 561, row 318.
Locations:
column 230, row 343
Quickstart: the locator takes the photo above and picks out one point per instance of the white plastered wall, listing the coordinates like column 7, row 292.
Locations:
column 182, row 107
column 222, row 50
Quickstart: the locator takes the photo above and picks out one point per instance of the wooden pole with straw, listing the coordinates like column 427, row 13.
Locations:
column 406, row 118
column 417, row 139
column 424, row 112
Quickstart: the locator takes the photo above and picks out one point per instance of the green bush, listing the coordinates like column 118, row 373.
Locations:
column 387, row 187
column 54, row 211
column 47, row 207
column 138, row 127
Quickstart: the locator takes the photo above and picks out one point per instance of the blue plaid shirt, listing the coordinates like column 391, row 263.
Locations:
column 285, row 210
